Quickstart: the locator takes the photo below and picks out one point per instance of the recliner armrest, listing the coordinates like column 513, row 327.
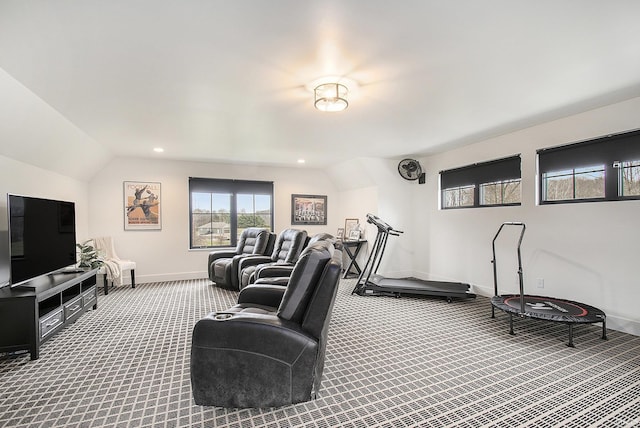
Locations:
column 272, row 271
column 215, row 255
column 266, row 294
column 253, row 261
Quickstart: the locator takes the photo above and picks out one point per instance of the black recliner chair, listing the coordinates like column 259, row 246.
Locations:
column 279, row 273
column 287, row 248
column 222, row 266
column 258, row 355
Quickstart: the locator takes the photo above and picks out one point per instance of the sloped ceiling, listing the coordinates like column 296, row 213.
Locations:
column 228, row 80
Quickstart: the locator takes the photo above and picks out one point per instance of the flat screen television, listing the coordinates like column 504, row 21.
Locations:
column 42, row 236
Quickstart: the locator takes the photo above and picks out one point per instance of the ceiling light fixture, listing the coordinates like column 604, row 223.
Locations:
column 331, row 97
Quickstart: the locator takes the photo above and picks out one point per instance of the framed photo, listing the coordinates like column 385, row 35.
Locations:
column 354, row 235
column 349, row 225
column 308, row 209
column 142, row 205
column 340, row 234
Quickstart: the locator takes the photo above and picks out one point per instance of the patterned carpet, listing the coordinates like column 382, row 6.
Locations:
column 409, row 362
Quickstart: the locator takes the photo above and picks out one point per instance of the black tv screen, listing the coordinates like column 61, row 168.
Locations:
column 42, row 236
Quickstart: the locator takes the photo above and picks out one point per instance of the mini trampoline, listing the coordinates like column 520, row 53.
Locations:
column 541, row 307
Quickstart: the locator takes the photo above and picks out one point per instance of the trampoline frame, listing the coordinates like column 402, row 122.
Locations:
column 498, row 301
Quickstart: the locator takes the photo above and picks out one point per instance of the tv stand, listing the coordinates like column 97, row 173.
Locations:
column 33, row 312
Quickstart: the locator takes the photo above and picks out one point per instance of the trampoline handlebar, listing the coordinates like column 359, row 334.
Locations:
column 495, row 271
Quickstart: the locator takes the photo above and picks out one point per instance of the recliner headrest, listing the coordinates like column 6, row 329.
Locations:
column 288, row 246
column 253, row 240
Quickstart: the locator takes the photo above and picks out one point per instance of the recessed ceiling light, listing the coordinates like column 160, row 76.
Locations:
column 300, row 160
column 158, row 150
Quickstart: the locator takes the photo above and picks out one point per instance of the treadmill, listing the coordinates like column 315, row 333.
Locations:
column 371, row 284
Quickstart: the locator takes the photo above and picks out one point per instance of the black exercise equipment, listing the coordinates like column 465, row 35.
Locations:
column 541, row 307
column 371, row 284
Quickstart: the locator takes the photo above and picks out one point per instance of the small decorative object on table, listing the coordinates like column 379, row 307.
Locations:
column 349, row 225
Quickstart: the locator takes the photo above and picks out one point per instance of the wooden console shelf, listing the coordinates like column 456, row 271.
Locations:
column 33, row 312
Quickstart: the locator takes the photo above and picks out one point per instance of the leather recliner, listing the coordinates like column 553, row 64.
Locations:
column 258, row 355
column 287, row 248
column 279, row 273
column 223, row 265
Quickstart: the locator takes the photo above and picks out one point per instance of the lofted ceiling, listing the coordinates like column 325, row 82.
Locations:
column 220, row 80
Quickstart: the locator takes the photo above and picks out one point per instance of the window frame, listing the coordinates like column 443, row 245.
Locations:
column 233, row 188
column 477, row 174
column 610, row 150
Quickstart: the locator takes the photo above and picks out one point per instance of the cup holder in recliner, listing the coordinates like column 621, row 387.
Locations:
column 222, row 316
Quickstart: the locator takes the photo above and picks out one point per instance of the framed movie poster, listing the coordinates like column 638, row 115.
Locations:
column 308, row 209
column 142, row 206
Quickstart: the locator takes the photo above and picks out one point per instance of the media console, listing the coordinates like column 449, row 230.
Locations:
column 35, row 311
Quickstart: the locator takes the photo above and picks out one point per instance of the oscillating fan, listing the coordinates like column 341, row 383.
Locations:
column 410, row 169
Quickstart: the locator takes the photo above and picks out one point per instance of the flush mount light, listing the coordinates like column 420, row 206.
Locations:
column 331, row 97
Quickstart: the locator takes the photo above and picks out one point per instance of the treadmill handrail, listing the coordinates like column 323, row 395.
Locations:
column 381, row 225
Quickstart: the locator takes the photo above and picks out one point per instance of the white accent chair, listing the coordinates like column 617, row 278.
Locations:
column 113, row 267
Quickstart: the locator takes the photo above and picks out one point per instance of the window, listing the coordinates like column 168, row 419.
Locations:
column 461, row 196
column 493, row 183
column 503, row 192
column 629, row 178
column 219, row 210
column 577, row 183
column 603, row 169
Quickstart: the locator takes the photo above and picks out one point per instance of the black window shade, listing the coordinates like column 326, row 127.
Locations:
column 485, row 172
column 603, row 150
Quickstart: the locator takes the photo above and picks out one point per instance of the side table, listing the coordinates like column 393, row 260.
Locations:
column 356, row 245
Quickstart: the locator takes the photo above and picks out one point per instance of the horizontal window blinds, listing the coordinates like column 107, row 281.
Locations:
column 485, row 172
column 603, row 150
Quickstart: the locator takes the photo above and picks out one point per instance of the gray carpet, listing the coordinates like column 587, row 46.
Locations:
column 409, row 362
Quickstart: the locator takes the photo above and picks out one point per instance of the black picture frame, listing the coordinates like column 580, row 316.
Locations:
column 308, row 209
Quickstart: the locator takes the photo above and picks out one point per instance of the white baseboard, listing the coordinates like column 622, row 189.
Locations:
column 175, row 276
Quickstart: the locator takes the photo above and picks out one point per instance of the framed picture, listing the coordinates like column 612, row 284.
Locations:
column 349, row 225
column 308, row 209
column 340, row 234
column 142, row 205
column 354, row 234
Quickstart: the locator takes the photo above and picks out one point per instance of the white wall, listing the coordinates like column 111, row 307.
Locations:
column 371, row 185
column 586, row 252
column 23, row 179
column 164, row 254
column 32, row 131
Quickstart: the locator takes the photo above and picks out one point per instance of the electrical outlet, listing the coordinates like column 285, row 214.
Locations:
column 540, row 282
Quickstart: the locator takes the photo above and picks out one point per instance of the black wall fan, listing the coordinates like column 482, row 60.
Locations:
column 410, row 169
